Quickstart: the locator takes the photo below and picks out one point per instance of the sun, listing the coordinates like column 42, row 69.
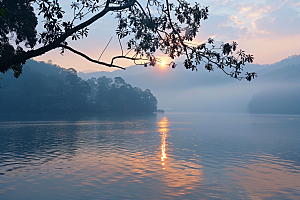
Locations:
column 163, row 64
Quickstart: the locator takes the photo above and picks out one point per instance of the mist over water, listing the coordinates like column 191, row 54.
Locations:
column 204, row 154
column 174, row 155
column 274, row 91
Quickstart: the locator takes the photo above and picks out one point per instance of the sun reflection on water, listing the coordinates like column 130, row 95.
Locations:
column 99, row 161
column 163, row 129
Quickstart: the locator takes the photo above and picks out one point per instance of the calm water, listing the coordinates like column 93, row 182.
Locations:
column 175, row 156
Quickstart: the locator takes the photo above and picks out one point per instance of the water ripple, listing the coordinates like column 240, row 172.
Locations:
column 150, row 158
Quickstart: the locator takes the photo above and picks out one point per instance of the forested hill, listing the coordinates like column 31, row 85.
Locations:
column 278, row 92
column 47, row 88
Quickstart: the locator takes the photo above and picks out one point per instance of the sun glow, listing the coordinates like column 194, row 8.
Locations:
column 163, row 64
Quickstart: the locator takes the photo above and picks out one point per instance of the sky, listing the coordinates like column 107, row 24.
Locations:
column 267, row 29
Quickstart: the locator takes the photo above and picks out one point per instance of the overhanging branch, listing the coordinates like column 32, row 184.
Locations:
column 7, row 63
column 90, row 59
column 129, row 58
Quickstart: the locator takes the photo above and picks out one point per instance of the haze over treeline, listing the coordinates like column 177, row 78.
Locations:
column 47, row 88
column 276, row 90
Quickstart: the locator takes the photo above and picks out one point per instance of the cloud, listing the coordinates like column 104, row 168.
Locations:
column 282, row 22
column 220, row 2
column 236, row 20
column 223, row 27
column 295, row 2
column 251, row 10
column 275, row 4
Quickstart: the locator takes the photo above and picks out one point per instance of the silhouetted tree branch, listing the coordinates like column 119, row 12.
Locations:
column 88, row 58
column 54, row 41
column 159, row 25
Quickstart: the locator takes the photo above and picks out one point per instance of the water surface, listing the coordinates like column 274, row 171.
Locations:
column 173, row 155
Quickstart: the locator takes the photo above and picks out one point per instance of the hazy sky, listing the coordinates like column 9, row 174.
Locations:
column 268, row 29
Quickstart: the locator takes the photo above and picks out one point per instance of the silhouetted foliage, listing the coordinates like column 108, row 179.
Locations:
column 52, row 89
column 118, row 96
column 149, row 26
column 20, row 21
column 2, row 12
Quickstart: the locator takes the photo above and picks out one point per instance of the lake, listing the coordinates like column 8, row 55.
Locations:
column 163, row 156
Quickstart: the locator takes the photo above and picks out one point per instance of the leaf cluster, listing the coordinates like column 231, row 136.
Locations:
column 17, row 25
column 2, row 12
column 172, row 28
column 54, row 24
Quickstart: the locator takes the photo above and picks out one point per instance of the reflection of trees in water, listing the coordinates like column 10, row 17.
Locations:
column 33, row 144
column 29, row 142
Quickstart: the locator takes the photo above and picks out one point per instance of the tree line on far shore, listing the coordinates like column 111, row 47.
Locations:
column 47, row 88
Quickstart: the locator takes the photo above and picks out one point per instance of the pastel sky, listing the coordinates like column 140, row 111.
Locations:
column 268, row 29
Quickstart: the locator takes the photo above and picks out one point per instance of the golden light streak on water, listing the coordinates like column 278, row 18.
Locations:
column 163, row 129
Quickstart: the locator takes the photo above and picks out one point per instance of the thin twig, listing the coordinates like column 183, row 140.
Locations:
column 128, row 52
column 120, row 45
column 104, row 49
